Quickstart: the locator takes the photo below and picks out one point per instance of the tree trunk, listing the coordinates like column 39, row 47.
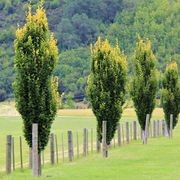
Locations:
column 169, row 132
column 30, row 158
column 39, row 164
column 144, row 138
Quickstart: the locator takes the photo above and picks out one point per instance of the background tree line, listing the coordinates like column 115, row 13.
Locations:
column 78, row 23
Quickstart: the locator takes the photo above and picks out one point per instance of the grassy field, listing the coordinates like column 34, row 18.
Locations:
column 157, row 160
column 13, row 126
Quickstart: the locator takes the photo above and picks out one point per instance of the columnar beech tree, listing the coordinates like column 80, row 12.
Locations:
column 35, row 89
column 171, row 93
column 144, row 84
column 106, row 85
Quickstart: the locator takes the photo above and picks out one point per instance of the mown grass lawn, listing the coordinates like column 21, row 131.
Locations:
column 160, row 159
column 13, row 126
column 74, row 120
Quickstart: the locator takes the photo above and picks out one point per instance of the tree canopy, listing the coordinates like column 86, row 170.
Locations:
column 171, row 93
column 144, row 83
column 78, row 23
column 107, row 85
column 35, row 89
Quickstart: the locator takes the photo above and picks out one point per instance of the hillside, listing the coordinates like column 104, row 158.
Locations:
column 78, row 23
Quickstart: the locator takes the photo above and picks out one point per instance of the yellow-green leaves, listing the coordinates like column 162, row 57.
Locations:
column 36, row 54
column 171, row 93
column 144, row 84
column 107, row 85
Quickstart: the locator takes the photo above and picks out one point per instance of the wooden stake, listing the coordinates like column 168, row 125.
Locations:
column 171, row 125
column 104, row 131
column 146, row 128
column 62, row 147
column 85, row 142
column 56, row 142
column 134, row 130
column 30, row 158
column 52, row 149
column 119, row 133
column 8, row 153
column 91, row 140
column 70, row 146
column 13, row 154
column 127, row 132
column 77, row 138
column 21, row 157
column 35, row 156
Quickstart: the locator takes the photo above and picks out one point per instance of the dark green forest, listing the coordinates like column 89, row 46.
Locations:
column 78, row 23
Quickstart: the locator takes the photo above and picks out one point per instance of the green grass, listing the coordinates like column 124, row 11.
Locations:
column 157, row 160
column 13, row 126
column 76, row 121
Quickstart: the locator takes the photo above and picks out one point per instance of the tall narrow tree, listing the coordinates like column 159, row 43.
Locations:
column 35, row 89
column 171, row 93
column 144, row 85
column 106, row 85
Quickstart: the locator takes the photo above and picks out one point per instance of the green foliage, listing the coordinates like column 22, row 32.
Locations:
column 156, row 19
column 171, row 93
column 78, row 23
column 35, row 90
column 82, row 21
column 144, row 84
column 73, row 68
column 106, row 86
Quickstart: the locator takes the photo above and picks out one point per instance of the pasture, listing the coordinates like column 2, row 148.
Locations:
column 157, row 160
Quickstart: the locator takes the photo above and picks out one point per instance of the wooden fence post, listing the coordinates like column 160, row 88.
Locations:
column 52, row 148
column 104, row 143
column 171, row 125
column 85, row 142
column 154, row 128
column 150, row 128
column 62, row 147
column 35, row 157
column 98, row 144
column 138, row 131
column 158, row 128
column 91, row 140
column 134, row 130
column 141, row 133
column 122, row 126
column 163, row 128
column 43, row 158
column 8, row 153
column 127, row 132
column 114, row 142
column 166, row 129
column 13, row 154
column 119, row 133
column 21, row 157
column 56, row 142
column 30, row 158
column 146, row 129
column 77, row 141
column 131, row 131
column 70, row 146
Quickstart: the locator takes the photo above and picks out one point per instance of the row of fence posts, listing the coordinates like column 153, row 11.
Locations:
column 159, row 129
